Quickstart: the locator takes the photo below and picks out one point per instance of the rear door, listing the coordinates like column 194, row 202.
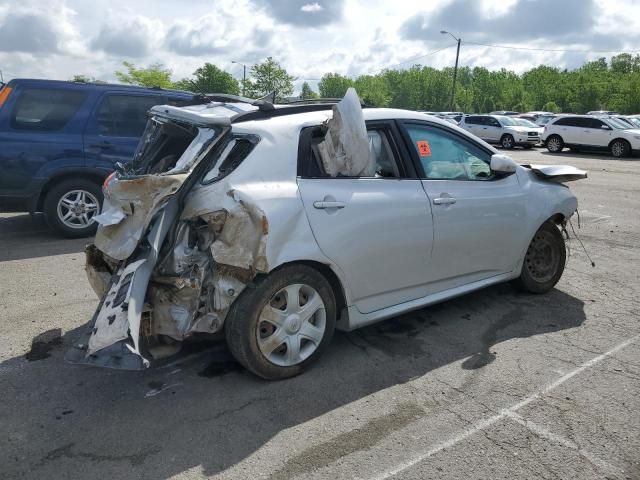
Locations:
column 492, row 129
column 378, row 230
column 476, row 214
column 114, row 129
column 40, row 132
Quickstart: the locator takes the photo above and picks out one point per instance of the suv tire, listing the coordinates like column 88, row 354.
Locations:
column 555, row 144
column 544, row 261
column 264, row 311
column 507, row 142
column 70, row 206
column 620, row 148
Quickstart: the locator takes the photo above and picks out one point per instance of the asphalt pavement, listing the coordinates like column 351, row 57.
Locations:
column 495, row 384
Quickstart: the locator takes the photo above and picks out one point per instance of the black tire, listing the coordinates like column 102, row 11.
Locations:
column 620, row 148
column 555, row 144
column 544, row 261
column 507, row 142
column 64, row 189
column 242, row 322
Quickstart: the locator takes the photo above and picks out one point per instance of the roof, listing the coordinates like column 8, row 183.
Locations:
column 94, row 85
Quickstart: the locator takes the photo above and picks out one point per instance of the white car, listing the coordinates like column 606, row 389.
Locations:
column 586, row 132
column 277, row 224
column 503, row 130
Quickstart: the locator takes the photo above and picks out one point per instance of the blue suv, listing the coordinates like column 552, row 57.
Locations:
column 60, row 140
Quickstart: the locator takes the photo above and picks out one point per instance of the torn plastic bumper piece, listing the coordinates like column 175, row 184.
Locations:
column 117, row 356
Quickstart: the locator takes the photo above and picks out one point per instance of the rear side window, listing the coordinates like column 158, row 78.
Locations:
column 568, row 122
column 46, row 110
column 472, row 120
column 124, row 115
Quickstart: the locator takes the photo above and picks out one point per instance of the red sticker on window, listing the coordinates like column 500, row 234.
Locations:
column 423, row 148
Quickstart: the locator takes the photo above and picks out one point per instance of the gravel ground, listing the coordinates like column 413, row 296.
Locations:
column 496, row 384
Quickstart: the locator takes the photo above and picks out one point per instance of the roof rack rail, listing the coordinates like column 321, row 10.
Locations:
column 282, row 110
column 261, row 103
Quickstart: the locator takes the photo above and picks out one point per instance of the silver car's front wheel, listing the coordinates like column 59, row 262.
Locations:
column 292, row 325
column 282, row 322
column 554, row 144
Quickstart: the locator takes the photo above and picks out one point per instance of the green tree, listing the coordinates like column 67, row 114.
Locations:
column 307, row 92
column 210, row 79
column 155, row 75
column 334, row 85
column 551, row 107
column 267, row 77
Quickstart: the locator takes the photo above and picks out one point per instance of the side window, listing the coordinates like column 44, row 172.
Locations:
column 471, row 120
column 595, row 123
column 446, row 156
column 380, row 144
column 492, row 122
column 46, row 109
column 124, row 115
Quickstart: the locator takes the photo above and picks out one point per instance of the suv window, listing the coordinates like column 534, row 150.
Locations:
column 124, row 115
column 46, row 109
column 492, row 122
column 595, row 123
column 446, row 156
column 472, row 120
column 569, row 122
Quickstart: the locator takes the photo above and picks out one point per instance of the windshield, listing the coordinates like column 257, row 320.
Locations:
column 635, row 122
column 525, row 123
column 618, row 124
column 508, row 121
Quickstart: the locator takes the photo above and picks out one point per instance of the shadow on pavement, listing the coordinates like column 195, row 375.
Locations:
column 203, row 411
column 23, row 237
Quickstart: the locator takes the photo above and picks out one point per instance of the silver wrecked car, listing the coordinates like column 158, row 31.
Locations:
column 278, row 224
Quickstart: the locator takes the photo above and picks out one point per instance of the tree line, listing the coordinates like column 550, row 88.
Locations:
column 596, row 85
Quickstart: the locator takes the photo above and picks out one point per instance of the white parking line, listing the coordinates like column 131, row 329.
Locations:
column 508, row 412
column 549, row 435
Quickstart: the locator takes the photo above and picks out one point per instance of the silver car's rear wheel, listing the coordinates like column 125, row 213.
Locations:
column 292, row 325
column 282, row 322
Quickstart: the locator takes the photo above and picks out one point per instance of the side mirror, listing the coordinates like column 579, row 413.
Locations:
column 605, row 127
column 501, row 163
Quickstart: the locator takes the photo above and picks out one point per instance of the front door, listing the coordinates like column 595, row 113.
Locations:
column 376, row 229
column 475, row 213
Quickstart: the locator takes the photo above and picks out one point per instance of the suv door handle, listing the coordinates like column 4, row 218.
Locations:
column 102, row 145
column 444, row 201
column 324, row 205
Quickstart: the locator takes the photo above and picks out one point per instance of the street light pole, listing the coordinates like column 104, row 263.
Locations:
column 455, row 69
column 244, row 74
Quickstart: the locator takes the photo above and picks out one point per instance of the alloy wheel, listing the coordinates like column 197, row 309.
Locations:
column 553, row 144
column 291, row 325
column 77, row 208
column 618, row 149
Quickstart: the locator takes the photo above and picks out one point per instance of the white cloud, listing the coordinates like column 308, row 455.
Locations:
column 311, row 7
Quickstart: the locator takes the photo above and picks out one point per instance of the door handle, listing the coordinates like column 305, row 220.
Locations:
column 101, row 145
column 324, row 205
column 444, row 201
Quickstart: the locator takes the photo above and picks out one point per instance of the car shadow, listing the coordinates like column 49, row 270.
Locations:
column 588, row 155
column 203, row 411
column 23, row 236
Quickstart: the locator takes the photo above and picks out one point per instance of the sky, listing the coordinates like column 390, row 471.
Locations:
column 60, row 38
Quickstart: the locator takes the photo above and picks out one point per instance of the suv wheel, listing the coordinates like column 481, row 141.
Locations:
column 555, row 144
column 620, row 148
column 507, row 142
column 544, row 261
column 70, row 206
column 282, row 323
